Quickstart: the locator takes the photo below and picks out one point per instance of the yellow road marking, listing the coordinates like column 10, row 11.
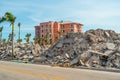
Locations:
column 32, row 73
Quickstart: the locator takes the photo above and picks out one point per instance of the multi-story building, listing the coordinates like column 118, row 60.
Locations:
column 53, row 30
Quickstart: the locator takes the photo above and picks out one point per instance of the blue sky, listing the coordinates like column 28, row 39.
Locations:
column 93, row 14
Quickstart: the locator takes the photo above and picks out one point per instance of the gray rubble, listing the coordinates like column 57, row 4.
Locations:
column 22, row 52
column 94, row 48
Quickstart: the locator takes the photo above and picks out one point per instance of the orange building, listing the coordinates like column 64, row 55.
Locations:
column 54, row 30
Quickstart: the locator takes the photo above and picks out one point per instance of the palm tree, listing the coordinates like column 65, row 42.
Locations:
column 1, row 28
column 19, row 40
column 28, row 35
column 9, row 17
column 41, row 41
column 46, row 38
column 36, row 40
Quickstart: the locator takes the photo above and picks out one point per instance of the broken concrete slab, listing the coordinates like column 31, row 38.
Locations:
column 74, row 61
column 110, row 45
column 59, row 45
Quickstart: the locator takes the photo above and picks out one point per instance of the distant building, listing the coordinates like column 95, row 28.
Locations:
column 53, row 30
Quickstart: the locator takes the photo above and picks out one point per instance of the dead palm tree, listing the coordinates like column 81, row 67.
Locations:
column 9, row 17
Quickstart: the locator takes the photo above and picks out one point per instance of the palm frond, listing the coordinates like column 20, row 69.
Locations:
column 2, row 19
column 1, row 28
column 10, row 17
column 19, row 24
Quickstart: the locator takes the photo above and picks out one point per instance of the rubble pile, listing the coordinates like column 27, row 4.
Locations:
column 22, row 52
column 94, row 48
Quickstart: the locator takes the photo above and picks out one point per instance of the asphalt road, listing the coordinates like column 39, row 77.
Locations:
column 21, row 71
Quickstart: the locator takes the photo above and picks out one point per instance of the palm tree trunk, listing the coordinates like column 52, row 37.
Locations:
column 12, row 41
column 0, row 36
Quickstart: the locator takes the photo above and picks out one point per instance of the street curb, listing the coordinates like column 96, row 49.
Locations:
column 100, row 69
column 77, row 67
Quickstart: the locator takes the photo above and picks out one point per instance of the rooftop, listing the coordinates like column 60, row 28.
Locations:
column 67, row 22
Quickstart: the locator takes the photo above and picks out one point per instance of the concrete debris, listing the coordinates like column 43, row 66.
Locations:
column 94, row 48
column 74, row 61
column 110, row 45
column 59, row 45
column 23, row 52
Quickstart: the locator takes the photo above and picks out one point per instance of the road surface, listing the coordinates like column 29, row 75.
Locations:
column 21, row 71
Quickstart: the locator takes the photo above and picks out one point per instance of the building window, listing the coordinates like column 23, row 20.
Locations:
column 50, row 35
column 42, row 36
column 63, row 31
column 42, row 26
column 71, row 30
column 71, row 26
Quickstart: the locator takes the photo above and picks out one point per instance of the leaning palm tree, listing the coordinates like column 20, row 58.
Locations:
column 19, row 40
column 28, row 35
column 9, row 17
column 1, row 28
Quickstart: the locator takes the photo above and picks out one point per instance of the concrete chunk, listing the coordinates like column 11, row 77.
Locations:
column 59, row 45
column 110, row 45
